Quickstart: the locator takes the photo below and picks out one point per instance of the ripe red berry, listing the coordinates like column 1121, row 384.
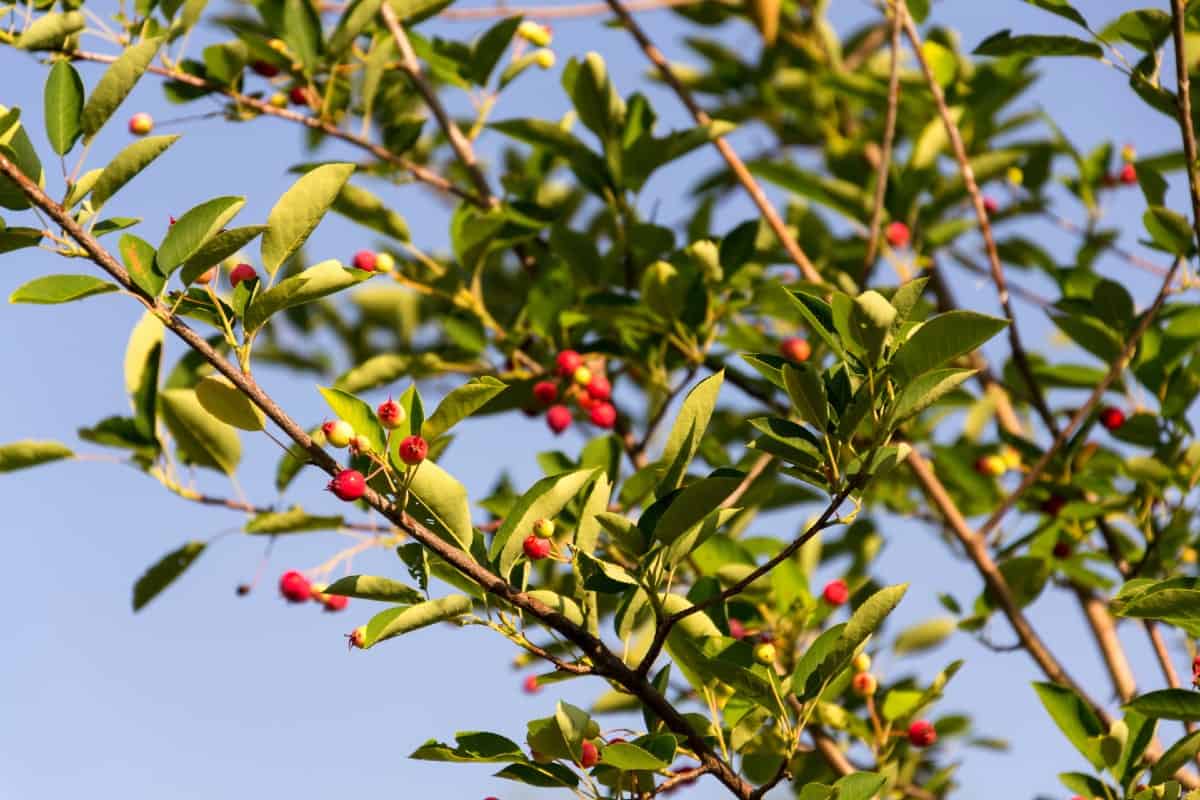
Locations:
column 294, row 587
column 1062, row 549
column 545, row 392
column 299, row 95
column 265, row 68
column 1112, row 418
column 1196, row 665
column 1053, row 504
column 391, row 414
column 335, row 602
column 536, row 548
column 242, row 272
column 599, row 388
column 530, row 684
column 141, row 123
column 1128, row 175
column 413, row 450
column 836, row 592
column 589, row 756
column 736, row 629
column 795, row 349
column 897, row 234
column 348, row 485
column 365, row 260
column 567, row 362
column 585, row 401
column 990, row 205
column 558, row 418
column 921, row 733
column 864, row 684
column 603, row 415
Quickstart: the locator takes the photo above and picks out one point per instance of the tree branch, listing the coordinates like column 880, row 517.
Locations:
column 557, row 12
column 889, row 135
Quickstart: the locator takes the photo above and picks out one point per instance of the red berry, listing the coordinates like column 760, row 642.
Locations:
column 334, row 602
column 1196, row 665
column 567, row 362
column 170, row 220
column 242, row 272
column 413, row 450
column 391, row 414
column 897, row 234
column 365, row 260
column 1062, row 549
column 357, row 636
column 921, row 733
column 1128, row 175
column 530, row 684
column 603, row 415
column 836, row 592
column 558, row 418
column 348, row 485
column 141, row 123
column 294, row 587
column 536, row 548
column 599, row 388
column 736, row 629
column 589, row 756
column 1053, row 504
column 1112, row 418
column 990, row 205
column 545, row 392
column 265, row 68
column 795, row 349
column 299, row 95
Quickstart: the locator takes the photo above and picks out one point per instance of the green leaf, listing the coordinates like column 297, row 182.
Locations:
column 376, row 371
column 138, row 256
column 545, row 500
column 1169, row 230
column 865, row 620
column 440, row 502
column 1003, row 43
column 491, row 46
column 369, row 211
column 143, row 362
column 1176, row 758
column 942, row 338
column 397, row 622
column 859, row 786
column 1176, row 704
column 693, row 503
column 687, row 432
column 52, row 289
column 371, row 587
column 806, row 389
column 299, row 210
column 627, row 757
column 17, row 148
column 191, row 231
column 227, row 403
column 357, row 16
column 361, row 417
column 115, row 85
column 924, row 636
column 28, row 453
column 63, row 106
column 471, row 747
column 1062, row 8
column 163, row 573
column 313, row 283
column 294, row 520
column 461, row 403
column 217, row 249
column 871, row 317
column 545, row 776
column 50, row 31
column 1074, row 718
column 927, row 390
column 127, row 164
column 201, row 439
column 849, row 199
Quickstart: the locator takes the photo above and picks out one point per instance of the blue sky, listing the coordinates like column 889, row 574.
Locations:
column 207, row 695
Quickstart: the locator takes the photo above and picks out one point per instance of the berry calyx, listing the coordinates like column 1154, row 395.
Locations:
column 536, row 549
column 897, row 234
column 1112, row 418
column 795, row 349
column 141, row 124
column 765, row 654
column 545, row 392
column 242, row 272
column 413, row 450
column 1062, row 549
column 348, row 485
column 338, row 432
column 535, row 33
column 567, row 362
column 543, row 528
column 294, row 587
column 836, row 592
column 603, row 415
column 391, row 414
column 1128, row 175
column 921, row 733
column 558, row 418
column 530, row 685
column 299, row 95
column 582, row 376
column 365, row 260
column 544, row 58
column 589, row 755
column 265, row 69
column 358, row 636
column 864, row 684
column 384, row 262
column 599, row 388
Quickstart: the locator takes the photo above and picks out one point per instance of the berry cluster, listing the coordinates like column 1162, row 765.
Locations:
column 296, row 588
column 996, row 464
column 350, row 484
column 372, row 261
column 538, row 544
column 586, row 385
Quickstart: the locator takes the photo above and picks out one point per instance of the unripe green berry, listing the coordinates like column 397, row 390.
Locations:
column 765, row 653
column 543, row 528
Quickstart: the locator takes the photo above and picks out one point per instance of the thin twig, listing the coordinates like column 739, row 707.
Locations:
column 889, row 136
column 557, row 12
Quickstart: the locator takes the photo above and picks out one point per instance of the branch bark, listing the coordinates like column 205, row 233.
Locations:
column 899, row 9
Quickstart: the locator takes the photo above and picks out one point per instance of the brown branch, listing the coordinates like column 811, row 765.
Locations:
column 1020, row 292
column 557, row 12
column 731, row 157
column 1183, row 100
column 1105, row 634
column 604, row 661
column 418, row 172
column 985, row 227
column 889, row 136
column 460, row 144
column 678, row 778
column 1132, row 258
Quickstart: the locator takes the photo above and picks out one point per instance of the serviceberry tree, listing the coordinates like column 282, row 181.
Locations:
column 720, row 372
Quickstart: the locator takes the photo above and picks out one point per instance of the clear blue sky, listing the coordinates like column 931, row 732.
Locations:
column 207, row 695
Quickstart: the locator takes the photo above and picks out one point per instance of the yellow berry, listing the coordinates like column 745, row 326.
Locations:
column 1015, row 176
column 384, row 262
column 582, row 376
column 1011, row 457
column 862, row 662
column 544, row 58
column 535, row 33
column 1188, row 555
column 1128, row 154
column 765, row 653
column 279, row 100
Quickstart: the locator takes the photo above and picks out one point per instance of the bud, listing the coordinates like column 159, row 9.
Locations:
column 535, row 33
column 708, row 256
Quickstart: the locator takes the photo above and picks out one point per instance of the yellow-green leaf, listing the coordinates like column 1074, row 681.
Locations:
column 299, row 211
column 227, row 403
